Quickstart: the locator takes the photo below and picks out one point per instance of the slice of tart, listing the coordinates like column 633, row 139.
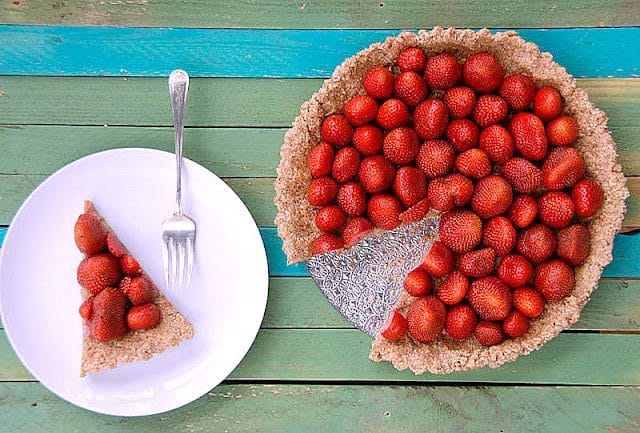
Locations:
column 126, row 317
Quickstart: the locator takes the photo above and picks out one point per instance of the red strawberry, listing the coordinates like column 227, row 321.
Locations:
column 378, row 82
column 555, row 209
column 522, row 174
column 330, row 219
column 384, row 211
column 587, row 197
column 355, row 230
column 442, row 71
column 376, row 174
column 518, row 91
column 322, row 191
column 562, row 131
column 574, row 244
column 129, row 265
column 460, row 101
column 440, row 195
column 528, row 301
column 439, row 260
column 346, row 164
column 367, row 139
column 497, row 143
column 412, row 59
column 529, row 136
column 460, row 187
column 395, row 327
column 418, row 282
column 410, row 88
column 108, row 316
column 145, row 316
column 435, row 158
column 460, row 230
column 416, row 212
column 401, row 145
column 462, row 134
column 514, row 270
column 478, row 263
column 139, row 290
column 98, row 272
column 425, row 318
column 461, row 321
column 500, row 235
column 547, row 103
column 515, row 325
column 352, row 199
column 115, row 247
column 523, row 211
column 89, row 234
column 430, row 119
column 325, row 243
column 483, row 72
column 489, row 333
column 320, row 160
column 86, row 308
column 554, row 279
column 393, row 113
column 410, row 185
column 490, row 109
column 562, row 168
column 360, row 109
column 453, row 288
column 473, row 163
column 537, row 243
column 490, row 298
column 492, row 196
column 336, row 130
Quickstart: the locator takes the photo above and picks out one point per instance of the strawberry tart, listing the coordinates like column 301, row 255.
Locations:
column 488, row 140
column 126, row 318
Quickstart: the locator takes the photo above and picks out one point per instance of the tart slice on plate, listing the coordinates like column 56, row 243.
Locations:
column 454, row 194
column 126, row 317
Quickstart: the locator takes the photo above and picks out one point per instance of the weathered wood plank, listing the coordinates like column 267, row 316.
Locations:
column 125, row 51
column 347, row 408
column 342, row 354
column 215, row 101
column 326, row 14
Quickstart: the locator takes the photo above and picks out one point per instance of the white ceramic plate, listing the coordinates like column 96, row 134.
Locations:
column 133, row 189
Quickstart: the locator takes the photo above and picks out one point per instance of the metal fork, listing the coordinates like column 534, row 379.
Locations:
column 179, row 231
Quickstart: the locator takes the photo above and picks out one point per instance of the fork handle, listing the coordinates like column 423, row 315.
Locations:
column 178, row 89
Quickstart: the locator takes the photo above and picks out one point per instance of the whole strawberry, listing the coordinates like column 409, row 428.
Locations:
column 108, row 315
column 500, row 235
column 492, row 196
column 129, row 265
column 90, row 234
column 116, row 247
column 410, row 185
column 547, row 104
column 346, row 164
column 537, row 243
column 515, row 324
column 330, row 219
column 554, row 279
column 490, row 298
column 462, row 134
column 145, row 316
column 352, row 199
column 395, row 327
column 384, row 210
column 483, row 72
column 587, row 197
column 478, row 263
column 523, row 211
column 430, row 119
column 401, row 145
column 378, row 82
column 410, row 88
column 355, row 230
column 435, row 158
column 555, row 209
column 367, row 139
column 336, row 130
column 460, row 322
column 439, row 260
column 460, row 187
column 522, row 175
column 497, row 143
column 320, row 159
column 326, row 242
column 98, row 272
column 393, row 113
column 473, row 163
column 418, row 282
column 562, row 168
column 440, row 194
column 416, row 212
column 376, row 174
column 490, row 109
column 562, row 131
column 460, row 230
column 442, row 71
column 426, row 317
column 453, row 288
column 529, row 136
column 574, row 244
column 360, row 109
column 489, row 333
column 412, row 59
column 514, row 270
column 322, row 191
column 460, row 101
column 528, row 301
column 139, row 290
column 518, row 91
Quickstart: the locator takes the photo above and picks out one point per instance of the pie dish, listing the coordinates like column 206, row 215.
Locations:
column 296, row 216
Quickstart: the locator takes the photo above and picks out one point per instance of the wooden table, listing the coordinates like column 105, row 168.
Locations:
column 66, row 92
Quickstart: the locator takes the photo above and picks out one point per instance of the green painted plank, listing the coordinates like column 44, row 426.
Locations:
column 342, row 355
column 129, row 51
column 214, row 101
column 346, row 408
column 325, row 14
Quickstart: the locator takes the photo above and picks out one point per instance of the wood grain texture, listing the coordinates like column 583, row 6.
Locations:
column 325, row 14
column 293, row 408
column 125, row 51
column 342, row 355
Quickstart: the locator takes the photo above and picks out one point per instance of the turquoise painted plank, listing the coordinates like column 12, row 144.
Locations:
column 117, row 51
column 625, row 263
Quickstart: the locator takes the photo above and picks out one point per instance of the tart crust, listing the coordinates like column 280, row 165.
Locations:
column 173, row 329
column 295, row 218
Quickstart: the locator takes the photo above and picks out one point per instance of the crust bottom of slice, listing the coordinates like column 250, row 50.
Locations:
column 134, row 345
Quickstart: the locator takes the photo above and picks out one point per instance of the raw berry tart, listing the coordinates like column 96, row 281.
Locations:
column 495, row 139
column 125, row 316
